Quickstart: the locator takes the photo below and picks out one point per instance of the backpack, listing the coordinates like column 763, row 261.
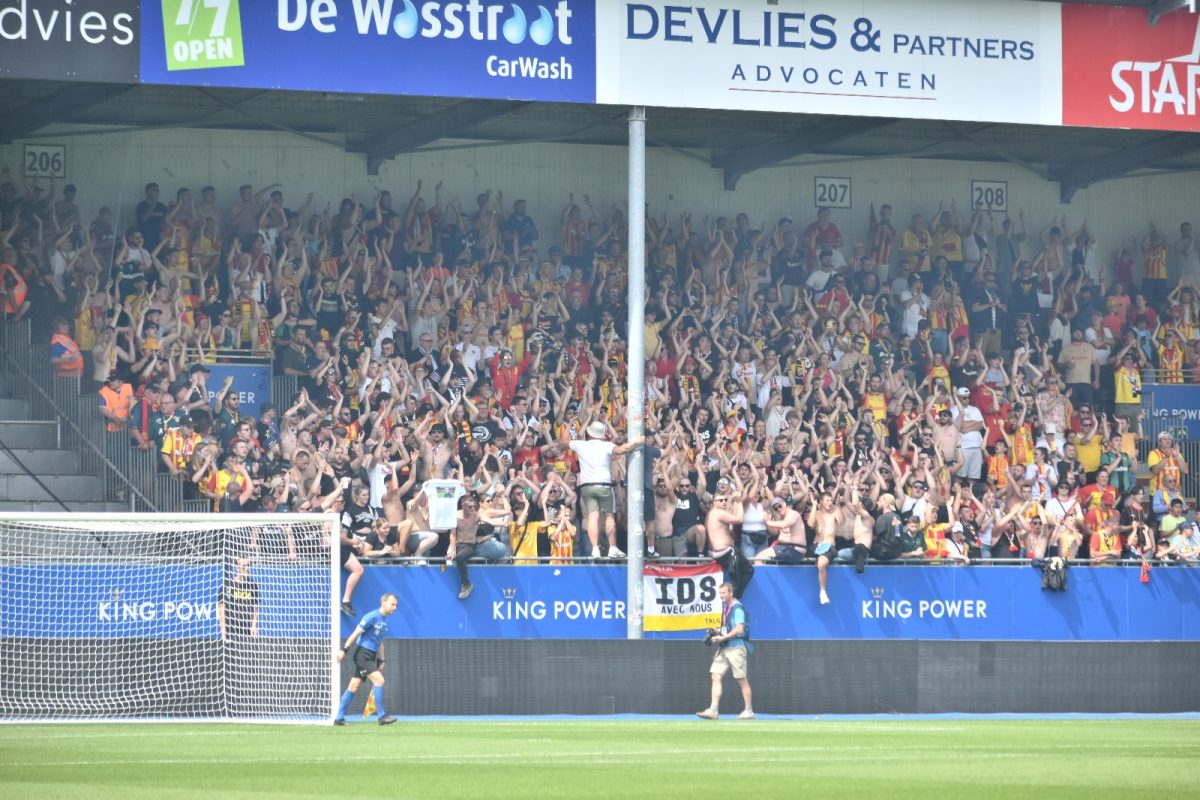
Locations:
column 1054, row 574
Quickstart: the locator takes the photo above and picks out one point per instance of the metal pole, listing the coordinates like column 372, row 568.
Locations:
column 636, row 399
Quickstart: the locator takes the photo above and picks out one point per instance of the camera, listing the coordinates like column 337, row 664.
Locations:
column 709, row 635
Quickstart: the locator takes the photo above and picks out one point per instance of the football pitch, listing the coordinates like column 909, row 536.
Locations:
column 927, row 758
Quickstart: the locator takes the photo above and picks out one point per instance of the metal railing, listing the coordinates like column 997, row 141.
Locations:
column 1026, row 563
column 283, row 389
column 231, row 355
column 129, row 475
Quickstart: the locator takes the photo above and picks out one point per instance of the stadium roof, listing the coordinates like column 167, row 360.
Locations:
column 735, row 142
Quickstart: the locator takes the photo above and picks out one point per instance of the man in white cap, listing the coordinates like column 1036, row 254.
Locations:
column 969, row 421
column 596, row 486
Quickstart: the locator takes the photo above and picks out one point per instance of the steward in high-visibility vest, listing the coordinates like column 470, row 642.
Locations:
column 13, row 289
column 116, row 400
column 64, row 352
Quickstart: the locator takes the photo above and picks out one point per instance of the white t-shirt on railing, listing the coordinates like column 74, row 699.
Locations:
column 443, row 503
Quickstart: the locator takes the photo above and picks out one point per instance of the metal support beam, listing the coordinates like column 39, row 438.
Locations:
column 635, row 405
column 60, row 106
column 1080, row 174
column 452, row 121
column 1159, row 8
column 822, row 132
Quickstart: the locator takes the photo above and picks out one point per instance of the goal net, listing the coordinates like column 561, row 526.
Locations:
column 168, row 617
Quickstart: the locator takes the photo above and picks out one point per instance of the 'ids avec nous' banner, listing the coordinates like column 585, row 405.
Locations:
column 681, row 598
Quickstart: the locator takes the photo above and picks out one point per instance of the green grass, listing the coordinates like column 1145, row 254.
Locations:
column 934, row 759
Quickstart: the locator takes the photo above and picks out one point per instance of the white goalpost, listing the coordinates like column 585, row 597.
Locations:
column 169, row 617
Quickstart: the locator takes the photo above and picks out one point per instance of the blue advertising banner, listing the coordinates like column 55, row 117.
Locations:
column 525, row 50
column 1101, row 604
column 118, row 601
column 1177, row 404
column 587, row 602
column 251, row 382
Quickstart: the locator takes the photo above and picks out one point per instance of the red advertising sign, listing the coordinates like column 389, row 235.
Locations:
column 1119, row 72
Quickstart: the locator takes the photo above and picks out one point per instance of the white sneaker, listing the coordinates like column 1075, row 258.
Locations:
column 615, row 552
column 824, row 599
column 747, row 714
column 708, row 713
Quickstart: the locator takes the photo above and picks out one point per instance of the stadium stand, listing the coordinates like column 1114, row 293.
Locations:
column 954, row 391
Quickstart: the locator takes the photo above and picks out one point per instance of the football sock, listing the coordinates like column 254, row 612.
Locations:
column 377, row 693
column 347, row 696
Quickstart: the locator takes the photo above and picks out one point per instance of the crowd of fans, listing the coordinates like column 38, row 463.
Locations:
column 949, row 388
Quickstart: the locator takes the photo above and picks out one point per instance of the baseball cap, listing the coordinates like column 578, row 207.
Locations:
column 964, row 391
column 194, row 368
column 597, row 430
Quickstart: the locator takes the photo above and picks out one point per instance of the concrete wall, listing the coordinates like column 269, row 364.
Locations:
column 469, row 677
column 111, row 168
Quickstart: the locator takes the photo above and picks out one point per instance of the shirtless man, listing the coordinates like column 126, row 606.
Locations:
column 787, row 525
column 164, row 303
column 658, row 532
column 718, row 525
column 862, row 526
column 825, row 519
column 677, row 521
column 946, row 436
column 466, row 540
column 435, row 452
column 414, row 542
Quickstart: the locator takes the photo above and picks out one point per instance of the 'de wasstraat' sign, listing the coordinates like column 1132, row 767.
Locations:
column 476, row 48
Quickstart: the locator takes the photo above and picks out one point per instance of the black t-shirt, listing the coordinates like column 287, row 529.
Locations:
column 327, row 483
column 358, row 519
column 982, row 320
column 150, row 222
column 389, row 538
column 1024, row 295
column 485, row 431
column 240, row 599
column 470, row 462
column 966, row 374
column 687, row 511
column 971, row 537
column 790, row 267
column 888, row 536
column 581, row 316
